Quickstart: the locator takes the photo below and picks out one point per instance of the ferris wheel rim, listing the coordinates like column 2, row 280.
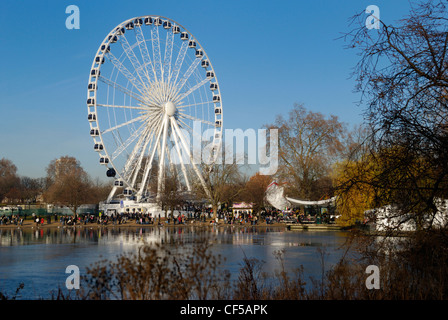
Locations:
column 97, row 67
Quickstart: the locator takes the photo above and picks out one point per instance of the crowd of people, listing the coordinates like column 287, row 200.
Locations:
column 269, row 216
column 13, row 219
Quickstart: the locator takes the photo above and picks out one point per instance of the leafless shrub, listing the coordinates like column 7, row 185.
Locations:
column 159, row 272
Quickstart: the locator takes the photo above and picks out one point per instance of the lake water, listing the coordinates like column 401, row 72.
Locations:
column 39, row 258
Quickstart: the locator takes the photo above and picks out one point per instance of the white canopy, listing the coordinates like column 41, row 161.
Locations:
column 304, row 202
column 274, row 195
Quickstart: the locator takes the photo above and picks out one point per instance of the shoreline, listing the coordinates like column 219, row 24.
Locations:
column 28, row 224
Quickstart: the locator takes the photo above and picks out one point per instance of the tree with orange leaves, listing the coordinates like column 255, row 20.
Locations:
column 255, row 191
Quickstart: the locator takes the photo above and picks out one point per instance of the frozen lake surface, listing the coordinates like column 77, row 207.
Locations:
column 39, row 258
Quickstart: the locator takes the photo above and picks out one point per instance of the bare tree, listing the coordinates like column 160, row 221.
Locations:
column 69, row 184
column 8, row 177
column 308, row 144
column 225, row 182
column 402, row 78
column 255, row 191
column 172, row 194
column 31, row 188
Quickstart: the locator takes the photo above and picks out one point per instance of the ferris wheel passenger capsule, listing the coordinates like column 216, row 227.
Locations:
column 205, row 63
column 199, row 53
column 105, row 48
column 104, row 160
column 218, row 123
column 118, row 183
column 213, row 86
column 91, row 117
column 176, row 29
column 112, row 39
column 94, row 132
column 157, row 22
column 184, row 36
column 210, row 74
column 95, row 72
column 148, row 21
column 218, row 110
column 129, row 26
column 111, row 172
column 192, row 44
column 90, row 102
column 99, row 59
column 98, row 147
column 91, row 86
column 120, row 31
column 138, row 22
column 216, row 98
column 167, row 25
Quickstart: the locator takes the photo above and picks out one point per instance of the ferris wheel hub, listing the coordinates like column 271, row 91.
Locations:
column 170, row 108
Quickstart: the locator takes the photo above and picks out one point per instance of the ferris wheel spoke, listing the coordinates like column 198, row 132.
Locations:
column 134, row 60
column 141, row 42
column 181, row 107
column 179, row 61
column 128, row 142
column 156, row 53
column 151, row 110
column 192, row 89
column 126, row 91
column 140, row 118
column 185, row 126
column 184, row 115
column 157, row 94
column 182, row 124
column 124, row 107
column 187, row 74
column 168, row 54
column 125, row 72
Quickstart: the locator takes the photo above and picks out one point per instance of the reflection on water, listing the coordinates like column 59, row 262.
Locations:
column 138, row 236
column 39, row 257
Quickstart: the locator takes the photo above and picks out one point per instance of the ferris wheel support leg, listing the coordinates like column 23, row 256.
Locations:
column 111, row 194
column 149, row 165
column 160, row 182
column 184, row 171
column 201, row 178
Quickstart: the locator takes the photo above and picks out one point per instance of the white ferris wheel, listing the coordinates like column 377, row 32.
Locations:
column 151, row 84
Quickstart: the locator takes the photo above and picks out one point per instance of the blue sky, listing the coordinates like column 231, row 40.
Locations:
column 267, row 55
